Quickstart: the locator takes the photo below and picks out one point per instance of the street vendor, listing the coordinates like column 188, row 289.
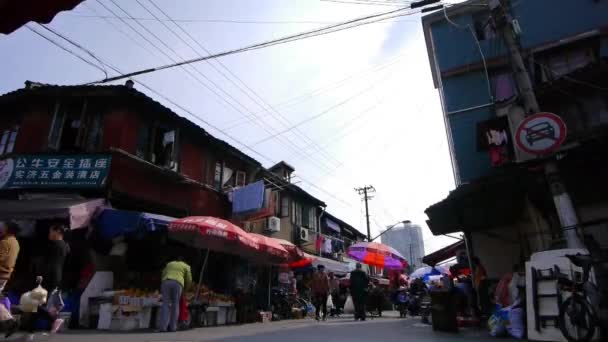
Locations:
column 176, row 278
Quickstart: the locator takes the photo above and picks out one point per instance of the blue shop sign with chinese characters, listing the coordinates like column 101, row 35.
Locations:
column 54, row 171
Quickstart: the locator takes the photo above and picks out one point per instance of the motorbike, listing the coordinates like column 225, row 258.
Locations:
column 401, row 301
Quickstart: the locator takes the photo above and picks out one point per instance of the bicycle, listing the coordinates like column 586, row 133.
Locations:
column 578, row 315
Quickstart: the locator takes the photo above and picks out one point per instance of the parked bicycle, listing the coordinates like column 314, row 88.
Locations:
column 579, row 315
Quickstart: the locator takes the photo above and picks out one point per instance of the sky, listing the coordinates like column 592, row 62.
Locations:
column 362, row 100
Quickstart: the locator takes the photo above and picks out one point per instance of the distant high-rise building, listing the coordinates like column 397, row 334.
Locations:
column 407, row 240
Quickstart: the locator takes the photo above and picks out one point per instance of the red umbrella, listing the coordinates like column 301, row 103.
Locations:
column 377, row 254
column 16, row 13
column 271, row 248
column 295, row 253
column 212, row 233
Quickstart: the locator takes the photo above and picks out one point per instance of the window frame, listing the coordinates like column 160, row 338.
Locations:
column 284, row 206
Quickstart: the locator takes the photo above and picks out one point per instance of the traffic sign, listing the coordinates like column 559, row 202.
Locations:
column 541, row 133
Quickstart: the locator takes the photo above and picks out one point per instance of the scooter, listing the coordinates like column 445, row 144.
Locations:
column 402, row 301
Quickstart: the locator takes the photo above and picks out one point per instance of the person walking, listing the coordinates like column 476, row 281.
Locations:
column 54, row 259
column 320, row 291
column 9, row 251
column 334, row 291
column 176, row 278
column 359, row 284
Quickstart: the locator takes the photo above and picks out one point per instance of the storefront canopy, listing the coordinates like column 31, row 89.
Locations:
column 77, row 211
column 444, row 254
column 337, row 267
column 484, row 204
column 112, row 222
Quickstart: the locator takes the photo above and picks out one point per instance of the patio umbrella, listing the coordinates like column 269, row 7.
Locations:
column 270, row 249
column 377, row 254
column 212, row 234
column 206, row 232
column 427, row 271
column 294, row 252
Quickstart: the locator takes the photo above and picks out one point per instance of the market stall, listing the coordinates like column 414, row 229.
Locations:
column 215, row 235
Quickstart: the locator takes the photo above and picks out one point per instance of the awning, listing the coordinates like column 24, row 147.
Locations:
column 112, row 222
column 484, row 204
column 16, row 13
column 77, row 211
column 443, row 254
column 337, row 267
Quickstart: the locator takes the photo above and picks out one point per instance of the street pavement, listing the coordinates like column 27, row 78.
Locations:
column 343, row 329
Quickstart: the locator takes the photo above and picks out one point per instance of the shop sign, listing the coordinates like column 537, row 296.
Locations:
column 54, row 171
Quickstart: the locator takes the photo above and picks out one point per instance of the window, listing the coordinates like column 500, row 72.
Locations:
column 75, row 128
column 296, row 213
column 312, row 218
column 305, row 217
column 158, row 144
column 7, row 141
column 241, row 178
column 143, row 138
column 284, row 206
column 561, row 64
column 217, row 178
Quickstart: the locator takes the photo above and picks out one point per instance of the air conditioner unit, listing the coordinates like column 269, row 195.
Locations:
column 273, row 224
column 304, row 235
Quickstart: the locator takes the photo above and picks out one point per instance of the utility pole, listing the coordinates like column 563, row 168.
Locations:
column 561, row 198
column 365, row 191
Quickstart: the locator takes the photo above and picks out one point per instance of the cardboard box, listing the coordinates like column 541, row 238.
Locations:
column 264, row 316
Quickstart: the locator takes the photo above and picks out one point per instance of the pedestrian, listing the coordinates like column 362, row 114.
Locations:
column 54, row 258
column 176, row 278
column 35, row 307
column 334, row 291
column 481, row 286
column 320, row 292
column 9, row 250
column 359, row 284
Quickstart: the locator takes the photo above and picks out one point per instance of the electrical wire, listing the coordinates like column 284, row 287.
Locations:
column 204, row 121
column 291, row 38
column 251, row 117
column 229, row 21
column 314, row 117
column 332, row 86
column 240, row 83
column 29, row 27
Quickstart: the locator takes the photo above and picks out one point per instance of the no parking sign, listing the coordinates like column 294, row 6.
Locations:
column 541, row 133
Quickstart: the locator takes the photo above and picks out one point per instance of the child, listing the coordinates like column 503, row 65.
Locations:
column 35, row 306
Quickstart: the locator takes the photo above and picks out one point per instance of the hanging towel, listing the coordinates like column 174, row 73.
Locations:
column 248, row 199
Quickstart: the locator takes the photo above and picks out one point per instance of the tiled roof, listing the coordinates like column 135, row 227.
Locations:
column 45, row 90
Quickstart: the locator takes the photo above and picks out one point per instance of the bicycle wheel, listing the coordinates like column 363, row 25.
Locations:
column 576, row 319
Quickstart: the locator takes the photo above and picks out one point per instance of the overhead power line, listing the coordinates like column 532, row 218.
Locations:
column 308, row 34
column 240, row 84
column 189, row 112
column 228, row 21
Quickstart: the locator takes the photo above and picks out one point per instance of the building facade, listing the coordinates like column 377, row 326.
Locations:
column 407, row 240
column 503, row 197
column 116, row 143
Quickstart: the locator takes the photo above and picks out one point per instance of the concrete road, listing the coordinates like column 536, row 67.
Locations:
column 345, row 329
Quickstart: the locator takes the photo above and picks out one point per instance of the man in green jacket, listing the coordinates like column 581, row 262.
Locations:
column 176, row 278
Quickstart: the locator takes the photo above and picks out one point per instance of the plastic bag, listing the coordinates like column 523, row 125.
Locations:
column 516, row 327
column 497, row 325
column 330, row 303
column 349, row 306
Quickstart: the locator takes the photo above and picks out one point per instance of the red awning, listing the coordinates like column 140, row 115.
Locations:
column 16, row 13
column 443, row 254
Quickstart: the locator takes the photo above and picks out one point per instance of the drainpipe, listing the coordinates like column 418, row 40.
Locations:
column 319, row 226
